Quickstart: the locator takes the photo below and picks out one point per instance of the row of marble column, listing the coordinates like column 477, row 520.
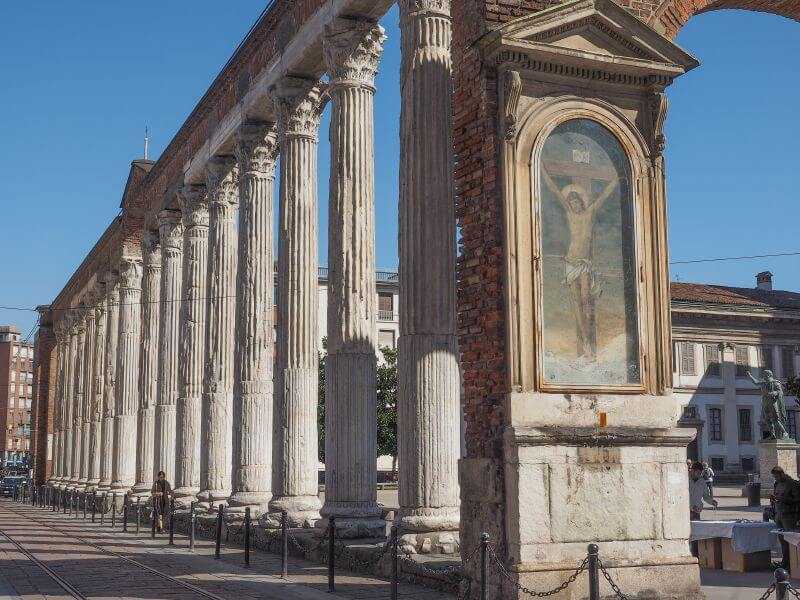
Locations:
column 173, row 363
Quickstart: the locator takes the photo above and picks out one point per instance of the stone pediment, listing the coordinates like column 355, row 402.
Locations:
column 597, row 34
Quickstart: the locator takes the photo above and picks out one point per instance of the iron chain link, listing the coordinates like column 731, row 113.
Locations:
column 568, row 582
column 610, row 581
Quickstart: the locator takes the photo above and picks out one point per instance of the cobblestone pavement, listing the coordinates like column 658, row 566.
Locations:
column 80, row 553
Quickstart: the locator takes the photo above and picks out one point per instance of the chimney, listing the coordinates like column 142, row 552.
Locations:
column 764, row 281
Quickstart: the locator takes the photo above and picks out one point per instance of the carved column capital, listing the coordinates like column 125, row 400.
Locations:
column 170, row 231
column 151, row 249
column 257, row 149
column 222, row 179
column 299, row 105
column 438, row 8
column 194, row 206
column 130, row 273
column 353, row 50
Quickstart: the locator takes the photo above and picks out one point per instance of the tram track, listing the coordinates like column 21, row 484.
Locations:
column 71, row 589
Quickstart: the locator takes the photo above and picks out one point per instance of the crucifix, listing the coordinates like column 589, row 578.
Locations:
column 581, row 203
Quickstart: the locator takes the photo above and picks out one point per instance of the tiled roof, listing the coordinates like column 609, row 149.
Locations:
column 734, row 296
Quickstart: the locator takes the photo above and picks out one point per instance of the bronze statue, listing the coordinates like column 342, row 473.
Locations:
column 773, row 408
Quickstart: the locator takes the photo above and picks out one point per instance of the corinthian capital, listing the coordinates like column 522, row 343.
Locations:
column 170, row 231
column 194, row 206
column 353, row 50
column 130, row 273
column 151, row 249
column 298, row 103
column 257, row 149
column 426, row 7
column 222, row 179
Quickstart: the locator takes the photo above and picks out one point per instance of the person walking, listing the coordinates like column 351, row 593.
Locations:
column 161, row 492
column 786, row 498
column 698, row 492
column 708, row 476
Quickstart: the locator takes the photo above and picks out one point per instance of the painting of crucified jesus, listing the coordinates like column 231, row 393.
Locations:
column 588, row 257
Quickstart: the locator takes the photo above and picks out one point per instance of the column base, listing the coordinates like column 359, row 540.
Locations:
column 301, row 511
column 92, row 485
column 354, row 520
column 258, row 502
column 141, row 489
column 212, row 499
column 104, row 486
column 184, row 496
column 435, row 531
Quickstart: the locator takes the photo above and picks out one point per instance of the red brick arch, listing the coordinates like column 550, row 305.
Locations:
column 671, row 15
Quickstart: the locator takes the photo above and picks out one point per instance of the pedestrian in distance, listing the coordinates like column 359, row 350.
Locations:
column 708, row 476
column 786, row 498
column 161, row 492
column 698, row 492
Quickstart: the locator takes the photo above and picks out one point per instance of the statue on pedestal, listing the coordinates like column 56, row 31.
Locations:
column 773, row 408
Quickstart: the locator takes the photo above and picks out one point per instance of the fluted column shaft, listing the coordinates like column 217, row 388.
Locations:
column 429, row 382
column 171, row 232
column 148, row 370
column 86, row 417
column 194, row 205
column 98, row 385
column 58, row 425
column 77, row 407
column 109, row 388
column 352, row 52
column 127, row 390
column 69, row 412
column 217, row 426
column 295, row 478
column 256, row 151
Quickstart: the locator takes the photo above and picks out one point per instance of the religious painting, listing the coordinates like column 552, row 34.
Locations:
column 590, row 333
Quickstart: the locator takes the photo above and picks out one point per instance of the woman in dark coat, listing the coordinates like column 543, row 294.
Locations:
column 161, row 492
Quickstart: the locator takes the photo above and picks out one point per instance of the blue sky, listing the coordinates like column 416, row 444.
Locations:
column 82, row 79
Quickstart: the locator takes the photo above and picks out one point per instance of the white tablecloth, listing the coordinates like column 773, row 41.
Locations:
column 793, row 537
column 745, row 537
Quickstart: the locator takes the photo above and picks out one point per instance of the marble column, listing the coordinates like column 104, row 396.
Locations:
column 256, row 152
column 76, row 351
column 217, row 417
column 194, row 204
column 171, row 233
column 98, row 385
column 86, row 416
column 148, row 370
column 295, row 477
column 127, row 389
column 58, row 418
column 428, row 373
column 352, row 52
column 109, row 387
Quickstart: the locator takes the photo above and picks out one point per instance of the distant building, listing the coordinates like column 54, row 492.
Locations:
column 719, row 334
column 16, row 396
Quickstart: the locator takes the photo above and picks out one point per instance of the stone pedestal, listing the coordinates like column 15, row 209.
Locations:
column 776, row 453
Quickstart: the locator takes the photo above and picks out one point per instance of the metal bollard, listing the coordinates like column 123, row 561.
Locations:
column 284, row 544
column 395, row 559
column 218, row 542
column 594, row 572
column 85, row 502
column 94, row 505
column 781, row 584
column 153, row 518
column 125, row 503
column 113, row 510
column 247, row 536
column 484, row 556
column 172, row 520
column 76, row 503
column 138, row 515
column 331, row 557
column 103, row 511
column 191, row 527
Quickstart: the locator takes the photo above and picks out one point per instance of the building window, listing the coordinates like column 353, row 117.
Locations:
column 745, row 425
column 748, row 464
column 385, row 306
column 714, row 424
column 765, row 358
column 787, row 361
column 588, row 218
column 687, row 358
column 742, row 360
column 711, row 352
column 717, row 463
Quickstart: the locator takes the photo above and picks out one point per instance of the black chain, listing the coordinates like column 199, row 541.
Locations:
column 793, row 591
column 767, row 593
column 610, row 581
column 568, row 582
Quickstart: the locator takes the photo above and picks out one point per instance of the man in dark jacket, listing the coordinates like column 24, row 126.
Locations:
column 161, row 491
column 786, row 496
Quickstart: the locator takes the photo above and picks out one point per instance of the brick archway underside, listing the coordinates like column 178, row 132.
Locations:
column 671, row 15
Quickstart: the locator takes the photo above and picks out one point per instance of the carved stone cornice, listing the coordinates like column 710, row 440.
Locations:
column 257, row 149
column 222, row 180
column 170, row 231
column 512, row 89
column 130, row 274
column 299, row 105
column 194, row 206
column 658, row 104
column 353, row 50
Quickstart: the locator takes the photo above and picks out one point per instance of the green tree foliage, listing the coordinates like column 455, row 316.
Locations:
column 386, row 404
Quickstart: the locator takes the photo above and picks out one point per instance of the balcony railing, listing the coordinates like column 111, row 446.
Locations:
column 380, row 276
column 387, row 315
